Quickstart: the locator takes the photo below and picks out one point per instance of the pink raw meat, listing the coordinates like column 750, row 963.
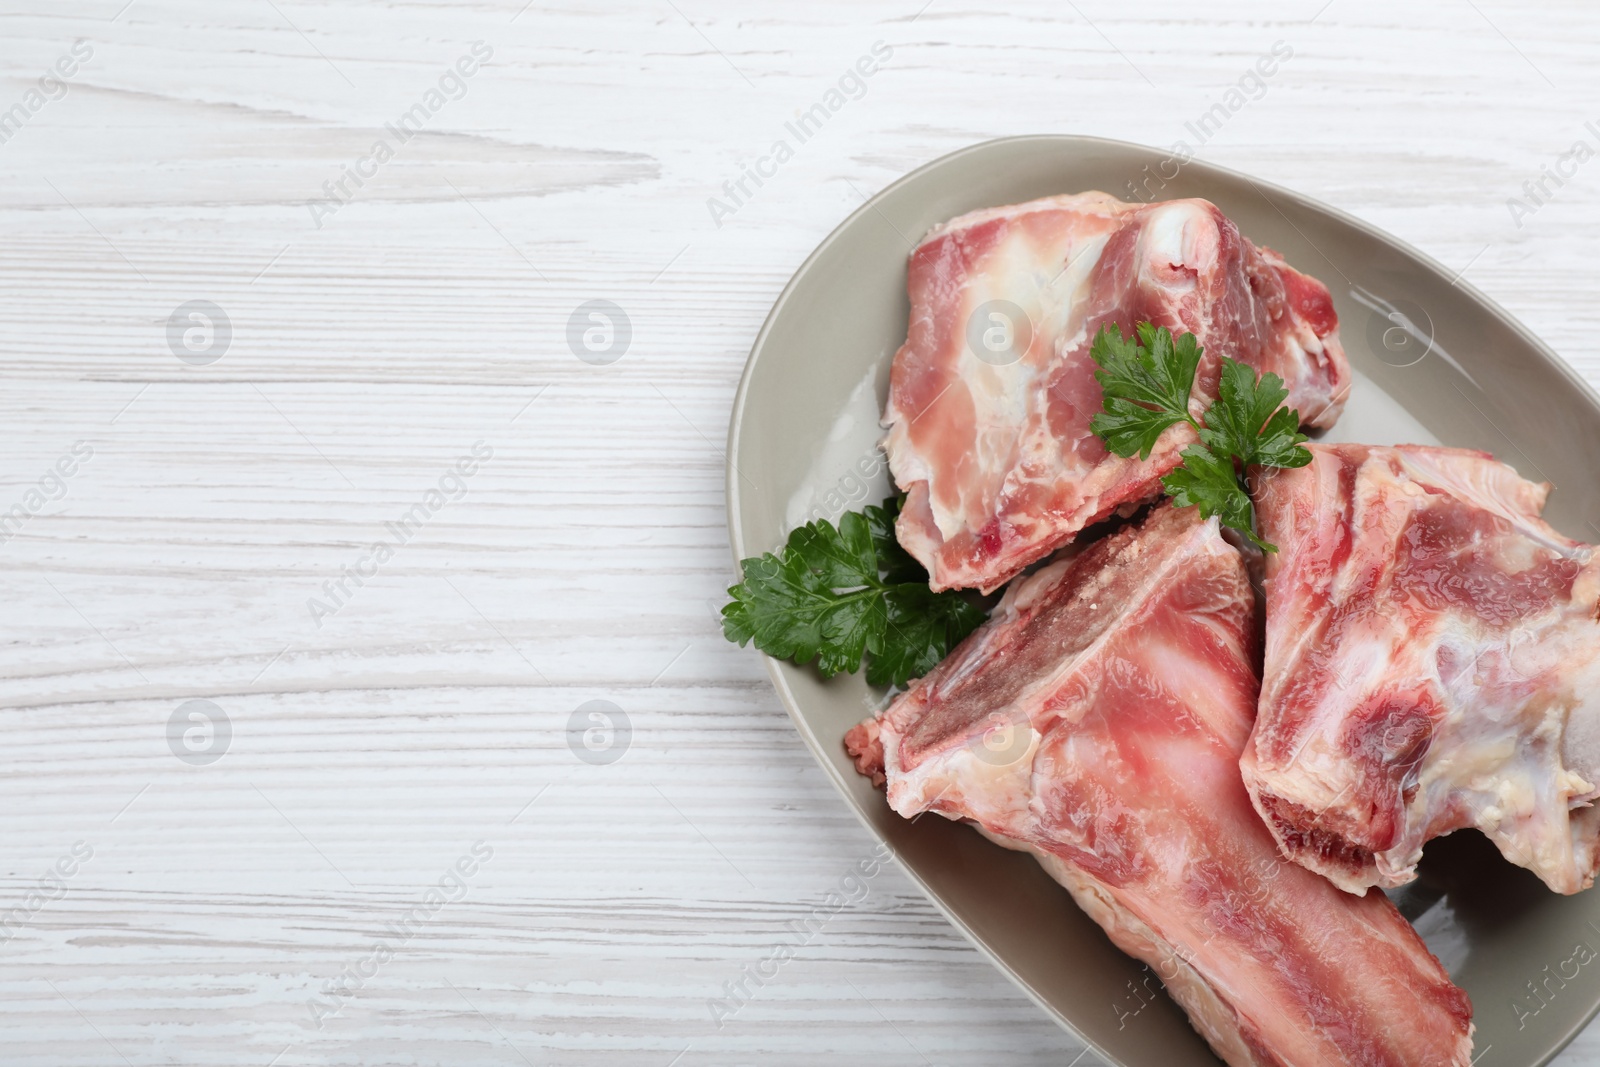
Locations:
column 1096, row 721
column 994, row 450
column 1432, row 663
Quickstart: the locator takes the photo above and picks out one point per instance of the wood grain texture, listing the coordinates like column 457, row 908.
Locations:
column 585, row 559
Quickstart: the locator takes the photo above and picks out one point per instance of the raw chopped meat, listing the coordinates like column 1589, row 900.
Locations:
column 993, row 445
column 864, row 742
column 1432, row 663
column 1097, row 722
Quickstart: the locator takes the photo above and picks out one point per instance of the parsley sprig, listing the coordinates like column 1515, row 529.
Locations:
column 1145, row 381
column 842, row 594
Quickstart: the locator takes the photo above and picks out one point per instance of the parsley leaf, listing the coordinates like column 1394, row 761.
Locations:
column 923, row 627
column 1279, row 442
column 1145, row 385
column 843, row 594
column 894, row 561
column 1207, row 481
column 1249, row 423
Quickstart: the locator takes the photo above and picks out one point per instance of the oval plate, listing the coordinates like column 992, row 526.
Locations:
column 1436, row 362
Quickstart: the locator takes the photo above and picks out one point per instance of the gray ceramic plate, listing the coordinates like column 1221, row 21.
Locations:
column 1436, row 361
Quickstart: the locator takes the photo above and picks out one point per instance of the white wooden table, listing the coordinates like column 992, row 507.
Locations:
column 273, row 905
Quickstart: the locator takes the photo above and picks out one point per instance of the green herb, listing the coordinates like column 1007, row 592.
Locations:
column 842, row 594
column 1145, row 382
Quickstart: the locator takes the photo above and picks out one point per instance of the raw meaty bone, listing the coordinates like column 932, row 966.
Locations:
column 1097, row 721
column 1432, row 663
column 991, row 395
